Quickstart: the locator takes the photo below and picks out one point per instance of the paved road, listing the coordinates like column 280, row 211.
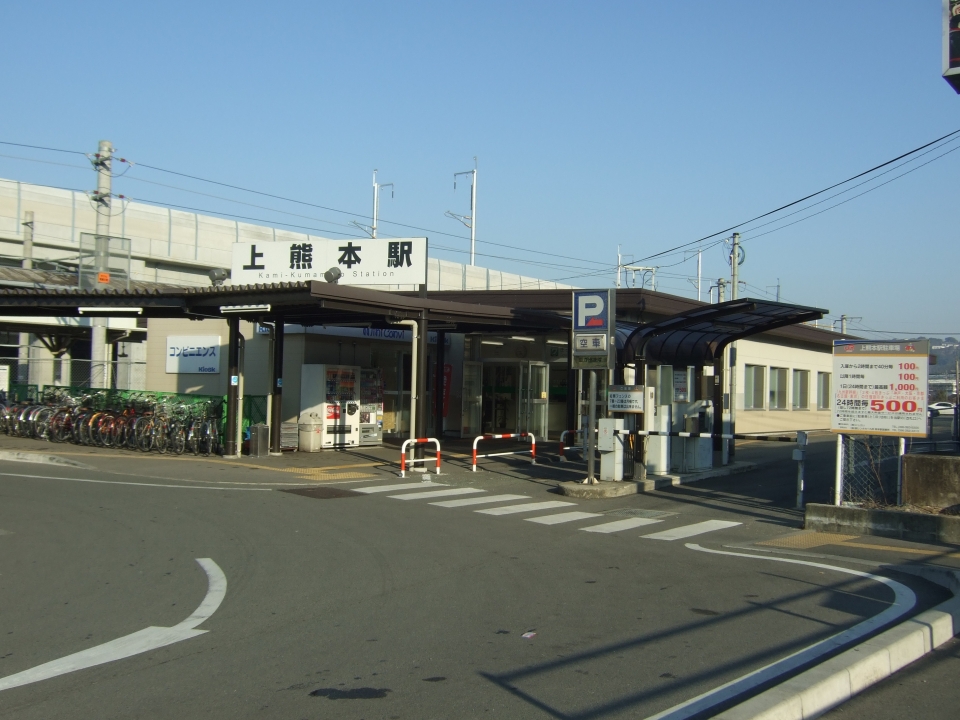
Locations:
column 392, row 604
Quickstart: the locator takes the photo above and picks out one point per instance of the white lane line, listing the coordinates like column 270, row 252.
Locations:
column 479, row 500
column 618, row 525
column 903, row 602
column 685, row 531
column 561, row 518
column 436, row 493
column 400, row 486
column 141, row 641
column 526, row 507
column 140, row 484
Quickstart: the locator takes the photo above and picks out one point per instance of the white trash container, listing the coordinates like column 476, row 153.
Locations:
column 310, row 433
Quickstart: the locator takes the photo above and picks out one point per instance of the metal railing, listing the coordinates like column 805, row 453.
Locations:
column 532, row 450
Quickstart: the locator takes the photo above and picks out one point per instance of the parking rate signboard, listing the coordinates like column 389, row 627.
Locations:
column 594, row 320
column 880, row 388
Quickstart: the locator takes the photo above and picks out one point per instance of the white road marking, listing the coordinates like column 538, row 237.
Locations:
column 526, row 507
column 400, row 486
column 140, row 484
column 903, row 602
column 561, row 518
column 479, row 500
column 141, row 641
column 618, row 525
column 436, row 493
column 685, row 531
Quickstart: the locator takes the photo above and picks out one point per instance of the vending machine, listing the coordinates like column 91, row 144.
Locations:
column 330, row 401
column 371, row 407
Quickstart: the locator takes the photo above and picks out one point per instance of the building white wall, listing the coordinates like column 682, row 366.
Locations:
column 767, row 354
column 179, row 248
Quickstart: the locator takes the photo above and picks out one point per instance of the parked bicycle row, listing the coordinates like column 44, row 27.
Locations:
column 136, row 421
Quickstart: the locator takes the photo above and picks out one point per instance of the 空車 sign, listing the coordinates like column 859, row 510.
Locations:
column 399, row 261
column 193, row 354
column 880, row 388
column 594, row 319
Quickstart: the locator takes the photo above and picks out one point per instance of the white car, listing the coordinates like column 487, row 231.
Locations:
column 944, row 408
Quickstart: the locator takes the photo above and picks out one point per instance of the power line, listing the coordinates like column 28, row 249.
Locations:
column 262, row 207
column 803, row 199
column 860, row 184
column 844, row 202
column 40, row 147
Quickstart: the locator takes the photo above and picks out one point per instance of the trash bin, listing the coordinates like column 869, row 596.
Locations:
column 311, row 433
column 259, row 440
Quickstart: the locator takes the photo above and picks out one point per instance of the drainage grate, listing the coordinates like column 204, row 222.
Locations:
column 631, row 512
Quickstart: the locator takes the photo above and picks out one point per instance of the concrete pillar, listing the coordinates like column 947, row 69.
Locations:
column 230, row 446
column 276, row 408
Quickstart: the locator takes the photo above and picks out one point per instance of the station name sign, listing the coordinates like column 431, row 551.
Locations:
column 594, row 320
column 880, row 388
column 394, row 261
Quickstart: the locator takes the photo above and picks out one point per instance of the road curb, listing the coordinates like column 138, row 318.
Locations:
column 607, row 489
column 821, row 688
column 899, row 524
column 41, row 458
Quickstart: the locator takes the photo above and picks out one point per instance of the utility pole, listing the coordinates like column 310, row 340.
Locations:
column 103, row 164
column 27, row 263
column 619, row 266
column 469, row 220
column 734, row 267
column 843, row 323
column 23, row 350
column 698, row 283
column 721, row 287
column 735, row 261
column 376, row 202
column 699, row 269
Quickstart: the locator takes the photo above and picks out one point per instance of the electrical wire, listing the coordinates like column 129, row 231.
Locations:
column 803, row 199
column 844, row 202
column 41, row 147
column 46, row 162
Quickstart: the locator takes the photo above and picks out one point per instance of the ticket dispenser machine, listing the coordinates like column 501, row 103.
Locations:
column 656, row 418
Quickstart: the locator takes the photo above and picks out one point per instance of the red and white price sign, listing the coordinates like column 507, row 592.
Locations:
column 880, row 388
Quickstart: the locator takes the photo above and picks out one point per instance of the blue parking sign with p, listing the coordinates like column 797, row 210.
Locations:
column 590, row 310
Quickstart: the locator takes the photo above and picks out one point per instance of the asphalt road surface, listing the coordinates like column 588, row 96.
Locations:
column 478, row 596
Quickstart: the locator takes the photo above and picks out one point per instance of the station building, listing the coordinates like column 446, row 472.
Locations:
column 496, row 357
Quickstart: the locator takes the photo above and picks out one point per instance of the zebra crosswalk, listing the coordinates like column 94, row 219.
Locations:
column 509, row 504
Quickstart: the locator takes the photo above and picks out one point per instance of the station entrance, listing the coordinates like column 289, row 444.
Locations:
column 506, row 397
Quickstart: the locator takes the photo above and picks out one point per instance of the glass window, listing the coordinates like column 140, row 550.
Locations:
column 823, row 391
column 778, row 388
column 801, row 389
column 753, row 387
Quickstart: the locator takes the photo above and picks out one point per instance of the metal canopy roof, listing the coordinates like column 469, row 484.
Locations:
column 697, row 337
column 306, row 303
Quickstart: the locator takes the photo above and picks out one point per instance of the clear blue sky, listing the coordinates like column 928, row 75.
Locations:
column 644, row 124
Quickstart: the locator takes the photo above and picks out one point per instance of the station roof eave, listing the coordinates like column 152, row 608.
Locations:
column 698, row 336
column 305, row 303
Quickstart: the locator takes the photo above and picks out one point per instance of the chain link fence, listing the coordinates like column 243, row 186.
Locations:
column 870, row 469
column 67, row 372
